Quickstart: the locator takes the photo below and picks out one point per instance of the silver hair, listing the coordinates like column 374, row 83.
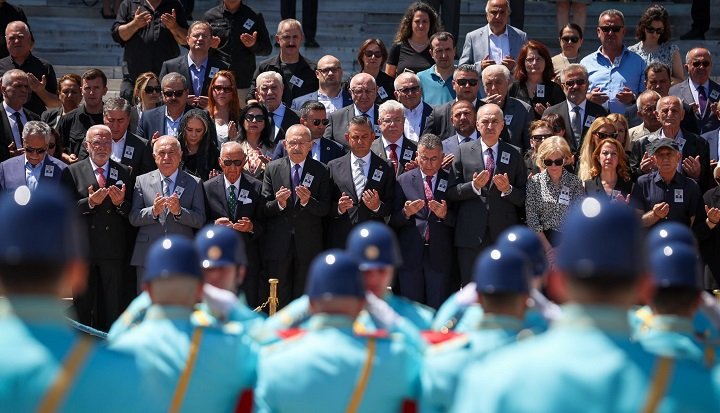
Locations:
column 116, row 103
column 497, row 69
column 430, row 141
column 176, row 143
column 687, row 55
column 391, row 105
column 36, row 127
column 396, row 83
column 174, row 77
column 645, row 94
column 11, row 74
column 277, row 77
column 487, row 7
column 613, row 13
column 290, row 22
column 230, row 145
column 573, row 68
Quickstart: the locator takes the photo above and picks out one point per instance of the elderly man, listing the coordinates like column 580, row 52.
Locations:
column 615, row 73
column 15, row 89
column 425, row 227
column 436, row 81
column 313, row 115
column 699, row 90
column 269, row 92
column 518, row 114
column 497, row 42
column 233, row 199
column 362, row 90
column 69, row 96
column 101, row 187
column 35, row 166
column 41, row 75
column 695, row 161
column 150, row 34
column 331, row 93
column 393, row 146
column 646, row 104
column 165, row 120
column 296, row 190
column 487, row 180
column 408, row 91
column 298, row 73
column 243, row 36
column 73, row 126
column 199, row 66
column 362, row 184
column 165, row 201
column 657, row 78
column 466, row 83
column 577, row 111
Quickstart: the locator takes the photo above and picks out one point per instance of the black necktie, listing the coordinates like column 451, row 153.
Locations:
column 19, row 124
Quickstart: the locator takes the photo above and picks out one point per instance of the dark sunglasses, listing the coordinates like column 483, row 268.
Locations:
column 603, row 135
column 570, row 39
column 226, row 89
column 409, row 90
column 652, row 30
column 571, row 83
column 551, row 162
column 35, row 150
column 153, row 89
column 465, row 82
column 255, row 118
column 608, row 29
column 317, row 122
column 540, row 138
column 376, row 55
column 230, row 162
column 698, row 63
column 173, row 93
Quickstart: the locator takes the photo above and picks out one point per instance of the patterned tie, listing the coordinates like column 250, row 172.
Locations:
column 101, row 177
column 18, row 122
column 166, row 193
column 295, row 179
column 428, row 197
column 232, row 202
column 702, row 99
column 393, row 156
column 359, row 178
column 577, row 125
column 490, row 164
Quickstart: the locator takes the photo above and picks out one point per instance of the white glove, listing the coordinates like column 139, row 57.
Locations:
column 710, row 307
column 468, row 295
column 220, row 301
column 380, row 311
column 549, row 310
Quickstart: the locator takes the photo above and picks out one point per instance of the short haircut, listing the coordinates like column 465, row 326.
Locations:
column 299, row 128
column 270, row 75
column 430, row 141
column 612, row 13
column 551, row 145
column 230, row 145
column 18, row 23
column 199, row 23
column 462, row 103
column 175, row 142
column 116, row 103
column 556, row 122
column 174, row 77
column 443, row 37
column 572, row 68
column 28, row 276
column 507, row 4
column 400, row 76
column 674, row 300
column 687, row 55
column 92, row 74
column 466, row 68
column 540, row 123
column 657, row 67
column 354, row 79
column 360, row 121
column 36, row 127
column 310, row 106
column 11, row 74
column 95, row 127
column 391, row 105
column 71, row 77
column 292, row 23
column 497, row 69
column 677, row 100
column 647, row 93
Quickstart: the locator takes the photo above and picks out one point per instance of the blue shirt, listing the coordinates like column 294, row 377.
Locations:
column 32, row 173
column 197, row 75
column 611, row 77
column 435, row 90
column 171, row 125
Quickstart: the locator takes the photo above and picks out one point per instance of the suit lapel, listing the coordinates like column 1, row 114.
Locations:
column 220, row 188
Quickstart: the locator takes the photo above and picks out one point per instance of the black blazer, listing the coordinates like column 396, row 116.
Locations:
column 408, row 148
column 305, row 70
column 339, row 121
column 180, row 65
column 709, row 239
column 6, row 136
column 153, row 120
column 329, row 150
column 107, row 225
column 134, row 154
column 302, row 225
column 342, row 182
column 594, row 188
column 591, row 109
column 439, row 121
column 553, row 95
column 411, row 231
column 488, row 214
column 289, row 118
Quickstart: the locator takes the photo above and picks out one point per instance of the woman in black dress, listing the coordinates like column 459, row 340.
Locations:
column 534, row 79
column 411, row 47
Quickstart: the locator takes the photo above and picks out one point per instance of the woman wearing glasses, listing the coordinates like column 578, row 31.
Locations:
column 255, row 138
column 571, row 39
column 224, row 106
column 147, row 93
column 601, row 128
column 653, row 31
column 610, row 173
column 411, row 48
column 534, row 79
column 539, row 131
column 372, row 57
column 551, row 193
column 199, row 147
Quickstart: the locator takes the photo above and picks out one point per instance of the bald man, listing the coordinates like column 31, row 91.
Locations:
column 329, row 73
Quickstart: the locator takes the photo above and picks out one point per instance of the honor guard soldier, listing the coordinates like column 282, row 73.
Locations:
column 502, row 278
column 587, row 358
column 45, row 365
column 329, row 368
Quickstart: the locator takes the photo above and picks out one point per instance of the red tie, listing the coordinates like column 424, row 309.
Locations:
column 393, row 156
column 101, row 177
column 428, row 197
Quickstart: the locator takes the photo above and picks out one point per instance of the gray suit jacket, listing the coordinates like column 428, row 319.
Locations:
column 12, row 172
column 712, row 140
column 407, row 153
column 477, row 44
column 518, row 125
column 706, row 121
column 192, row 204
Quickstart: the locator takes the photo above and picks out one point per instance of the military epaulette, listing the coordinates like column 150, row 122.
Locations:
column 451, row 343
column 384, row 334
column 437, row 337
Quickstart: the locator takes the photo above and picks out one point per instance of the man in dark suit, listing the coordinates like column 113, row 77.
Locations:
column 165, row 120
column 695, row 150
column 408, row 91
column 331, row 92
column 362, row 90
column 101, row 187
column 269, row 92
column 466, row 83
column 488, row 180
column 296, row 190
column 392, row 146
column 577, row 112
column 518, row 114
column 313, row 115
column 362, row 184
column 425, row 224
column 35, row 168
column 15, row 89
column 234, row 199
column 657, row 78
column 199, row 66
column 699, row 90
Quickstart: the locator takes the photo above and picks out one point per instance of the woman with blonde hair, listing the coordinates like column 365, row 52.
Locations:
column 601, row 128
column 610, row 173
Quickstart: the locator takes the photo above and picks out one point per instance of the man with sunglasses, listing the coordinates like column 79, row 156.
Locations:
column 615, row 73
column 699, row 91
column 313, row 115
column 233, row 199
column 329, row 73
column 466, row 84
column 35, row 166
column 165, row 120
column 409, row 92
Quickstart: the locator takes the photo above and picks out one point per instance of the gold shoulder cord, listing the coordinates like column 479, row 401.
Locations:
column 72, row 364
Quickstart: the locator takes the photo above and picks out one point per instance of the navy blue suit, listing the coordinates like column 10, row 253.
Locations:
column 329, row 150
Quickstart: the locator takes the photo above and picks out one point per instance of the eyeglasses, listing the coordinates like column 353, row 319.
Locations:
column 255, row 118
column 376, row 55
column 231, row 162
column 173, row 93
column 571, row 83
column 551, row 162
column 35, row 150
column 570, row 39
column 608, row 29
column 603, row 135
column 540, row 138
column 100, row 143
column 409, row 90
column 317, row 122
column 392, row 120
column 465, row 82
column 223, row 89
column 698, row 63
column 153, row 89
column 325, row 71
column 654, row 30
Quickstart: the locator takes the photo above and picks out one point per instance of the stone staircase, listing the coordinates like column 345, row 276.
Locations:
column 73, row 36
